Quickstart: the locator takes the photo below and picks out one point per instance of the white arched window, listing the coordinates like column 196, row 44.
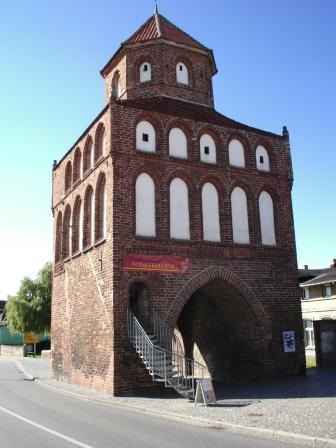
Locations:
column 145, row 205
column 182, row 73
column 266, row 213
column 145, row 72
column 240, row 227
column 145, row 137
column 100, row 208
column 210, row 213
column 236, row 154
column 262, row 159
column 77, row 226
column 178, row 143
column 179, row 210
column 207, row 149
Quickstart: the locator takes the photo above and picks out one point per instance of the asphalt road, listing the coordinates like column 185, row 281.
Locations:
column 32, row 416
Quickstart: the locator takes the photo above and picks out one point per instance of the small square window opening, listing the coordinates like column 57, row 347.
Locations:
column 181, row 68
column 145, row 137
column 145, row 68
column 261, row 159
column 206, row 150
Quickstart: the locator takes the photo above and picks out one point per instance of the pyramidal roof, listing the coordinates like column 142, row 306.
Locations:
column 158, row 27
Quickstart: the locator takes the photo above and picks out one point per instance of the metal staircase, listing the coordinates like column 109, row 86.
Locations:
column 163, row 355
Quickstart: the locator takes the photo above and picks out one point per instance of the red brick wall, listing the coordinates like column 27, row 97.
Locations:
column 163, row 58
column 258, row 284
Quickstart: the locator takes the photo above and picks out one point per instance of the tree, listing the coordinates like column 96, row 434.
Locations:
column 30, row 309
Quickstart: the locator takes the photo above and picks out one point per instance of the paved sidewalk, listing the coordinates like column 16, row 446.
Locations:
column 300, row 410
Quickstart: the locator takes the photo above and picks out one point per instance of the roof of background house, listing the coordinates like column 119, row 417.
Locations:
column 328, row 275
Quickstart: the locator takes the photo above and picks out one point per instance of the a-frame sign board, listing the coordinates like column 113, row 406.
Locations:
column 205, row 392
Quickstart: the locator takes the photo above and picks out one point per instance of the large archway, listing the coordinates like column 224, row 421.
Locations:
column 224, row 326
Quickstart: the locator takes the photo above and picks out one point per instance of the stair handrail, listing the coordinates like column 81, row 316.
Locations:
column 166, row 336
column 182, row 374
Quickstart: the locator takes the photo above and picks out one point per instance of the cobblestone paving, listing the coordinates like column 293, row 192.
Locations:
column 301, row 405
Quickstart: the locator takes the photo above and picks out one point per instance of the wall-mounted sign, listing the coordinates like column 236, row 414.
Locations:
column 289, row 341
column 135, row 262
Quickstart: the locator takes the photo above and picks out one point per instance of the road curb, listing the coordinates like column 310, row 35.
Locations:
column 289, row 437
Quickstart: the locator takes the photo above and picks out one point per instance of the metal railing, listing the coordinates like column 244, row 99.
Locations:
column 165, row 361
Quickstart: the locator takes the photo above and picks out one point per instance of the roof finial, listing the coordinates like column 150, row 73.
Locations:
column 156, row 12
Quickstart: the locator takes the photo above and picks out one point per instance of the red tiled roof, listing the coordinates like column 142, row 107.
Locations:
column 158, row 27
column 191, row 111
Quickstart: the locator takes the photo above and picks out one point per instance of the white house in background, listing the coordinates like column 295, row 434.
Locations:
column 319, row 317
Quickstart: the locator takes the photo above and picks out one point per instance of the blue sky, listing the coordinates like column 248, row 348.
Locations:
column 276, row 66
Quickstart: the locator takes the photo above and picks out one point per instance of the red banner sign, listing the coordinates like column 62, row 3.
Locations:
column 134, row 262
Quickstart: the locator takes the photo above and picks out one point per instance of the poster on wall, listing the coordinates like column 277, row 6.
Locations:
column 289, row 341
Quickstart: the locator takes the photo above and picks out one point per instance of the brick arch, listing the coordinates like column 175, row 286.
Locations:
column 155, row 122
column 248, row 154
column 251, row 212
column 217, row 139
column 217, row 273
column 77, row 162
column 216, row 181
column 68, row 177
column 180, row 172
column 190, row 67
column 87, row 154
column 98, row 142
column 270, row 190
column 140, row 60
column 100, row 208
column 271, row 155
column 181, row 124
column 276, row 212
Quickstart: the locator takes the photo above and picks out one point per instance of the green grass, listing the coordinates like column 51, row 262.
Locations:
column 310, row 363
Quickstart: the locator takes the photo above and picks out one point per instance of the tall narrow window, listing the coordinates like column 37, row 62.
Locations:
column 266, row 213
column 77, row 226
column 87, row 155
column 262, row 159
column 182, row 75
column 116, row 87
column 68, row 176
column 177, row 143
column 236, row 154
column 58, row 238
column 207, row 149
column 100, row 208
column 179, row 210
column 240, row 226
column 145, row 137
column 99, row 142
column 88, row 218
column 145, row 205
column 210, row 213
column 77, row 166
column 66, row 232
column 145, row 72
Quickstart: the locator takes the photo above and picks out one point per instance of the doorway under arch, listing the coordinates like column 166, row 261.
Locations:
column 139, row 302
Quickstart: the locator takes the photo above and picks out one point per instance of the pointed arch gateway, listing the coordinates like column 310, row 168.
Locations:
column 223, row 324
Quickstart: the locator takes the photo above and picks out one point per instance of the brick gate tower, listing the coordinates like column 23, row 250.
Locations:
column 167, row 208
